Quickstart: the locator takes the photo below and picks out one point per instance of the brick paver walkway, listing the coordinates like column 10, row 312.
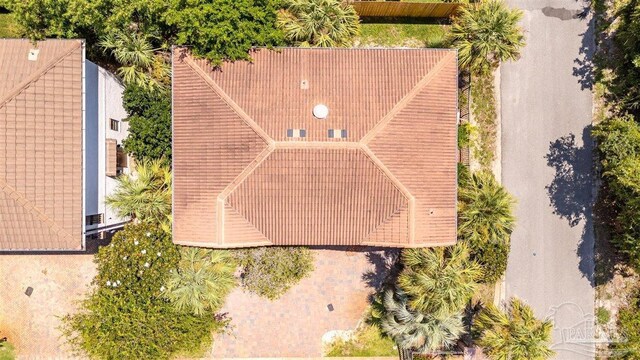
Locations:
column 31, row 323
column 293, row 325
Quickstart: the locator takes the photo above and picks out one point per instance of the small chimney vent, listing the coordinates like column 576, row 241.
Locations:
column 33, row 54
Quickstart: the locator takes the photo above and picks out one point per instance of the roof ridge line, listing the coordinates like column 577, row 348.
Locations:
column 227, row 99
column 37, row 75
column 406, row 99
column 32, row 208
column 248, row 222
column 244, row 174
column 396, row 212
column 399, row 185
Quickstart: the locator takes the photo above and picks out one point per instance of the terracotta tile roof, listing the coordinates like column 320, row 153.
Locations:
column 41, row 145
column 241, row 180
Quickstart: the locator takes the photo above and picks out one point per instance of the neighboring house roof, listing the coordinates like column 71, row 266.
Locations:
column 41, row 145
column 240, row 180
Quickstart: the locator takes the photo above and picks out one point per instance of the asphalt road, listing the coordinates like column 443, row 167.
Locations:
column 547, row 164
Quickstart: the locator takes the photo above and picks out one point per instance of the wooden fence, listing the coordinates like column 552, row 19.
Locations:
column 404, row 9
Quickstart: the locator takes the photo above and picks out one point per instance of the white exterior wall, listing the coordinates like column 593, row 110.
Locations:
column 105, row 104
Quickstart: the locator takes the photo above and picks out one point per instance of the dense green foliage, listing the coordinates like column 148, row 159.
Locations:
column 203, row 280
column 513, row 335
column 629, row 328
column 485, row 222
column 412, row 329
column 224, row 29
column 218, row 29
column 439, row 281
column 126, row 316
column 323, row 23
column 465, row 130
column 486, row 34
column 139, row 64
column 271, row 271
column 623, row 86
column 149, row 123
column 145, row 196
column 365, row 342
column 618, row 140
column 7, row 351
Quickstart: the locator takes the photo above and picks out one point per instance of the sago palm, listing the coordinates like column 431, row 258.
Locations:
column 439, row 281
column 485, row 211
column 513, row 335
column 203, row 280
column 145, row 195
column 319, row 23
column 413, row 330
column 139, row 64
column 486, row 34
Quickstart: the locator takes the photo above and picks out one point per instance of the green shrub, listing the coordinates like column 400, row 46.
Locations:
column 485, row 210
column 204, row 279
column 618, row 144
column 513, row 334
column 321, row 23
column 6, row 351
column 366, row 341
column 224, row 29
column 271, row 271
column 629, row 328
column 492, row 258
column 465, row 130
column 602, row 315
column 149, row 123
column 440, row 280
column 126, row 316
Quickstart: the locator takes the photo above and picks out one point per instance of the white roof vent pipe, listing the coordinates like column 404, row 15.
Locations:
column 320, row 111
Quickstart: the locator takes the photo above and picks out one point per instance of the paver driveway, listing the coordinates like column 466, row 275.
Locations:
column 31, row 323
column 294, row 324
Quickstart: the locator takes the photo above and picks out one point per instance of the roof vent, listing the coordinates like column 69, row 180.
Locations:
column 320, row 111
column 33, row 54
column 304, row 85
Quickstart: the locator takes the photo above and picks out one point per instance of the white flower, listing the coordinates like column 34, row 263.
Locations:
column 118, row 282
column 143, row 252
column 146, row 264
column 124, row 258
column 148, row 234
column 135, row 242
column 114, row 284
column 161, row 288
column 108, row 283
column 159, row 254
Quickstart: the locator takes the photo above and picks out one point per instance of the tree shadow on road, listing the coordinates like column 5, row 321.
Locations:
column 571, row 190
column 584, row 68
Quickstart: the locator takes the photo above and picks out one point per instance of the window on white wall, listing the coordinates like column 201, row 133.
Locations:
column 115, row 125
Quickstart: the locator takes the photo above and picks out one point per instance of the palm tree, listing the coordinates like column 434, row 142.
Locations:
column 145, row 195
column 515, row 334
column 439, row 281
column 203, row 280
column 486, row 34
column 139, row 63
column 416, row 331
column 319, row 23
column 485, row 211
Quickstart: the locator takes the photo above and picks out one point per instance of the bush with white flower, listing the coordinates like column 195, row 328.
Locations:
column 127, row 315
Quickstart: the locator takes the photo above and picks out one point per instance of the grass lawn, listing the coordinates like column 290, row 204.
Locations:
column 8, row 26
column 405, row 35
column 367, row 341
column 6, row 351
